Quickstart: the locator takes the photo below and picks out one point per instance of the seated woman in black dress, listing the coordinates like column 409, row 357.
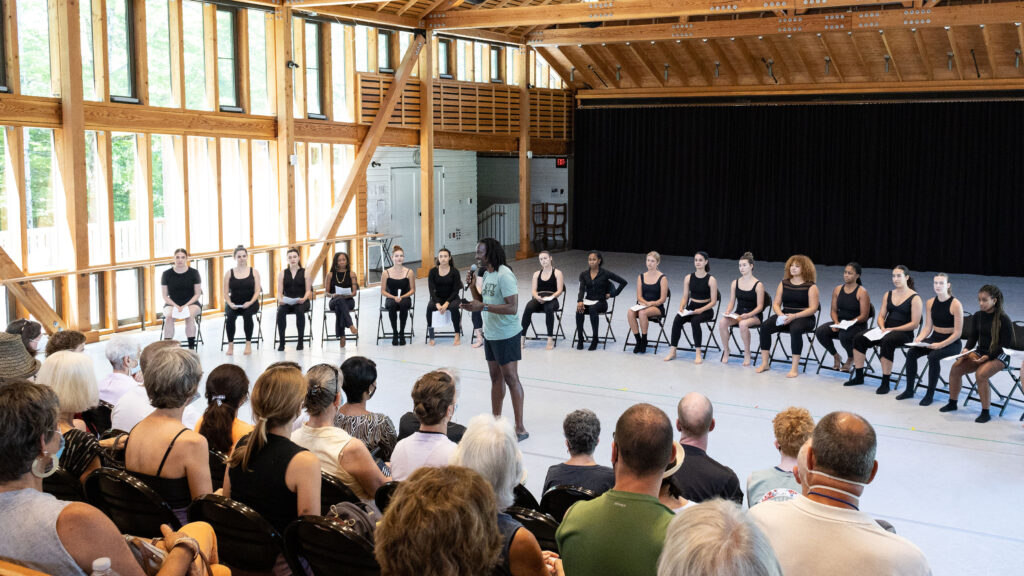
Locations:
column 943, row 325
column 182, row 288
column 697, row 306
column 796, row 301
column 651, row 292
column 445, row 287
column 596, row 285
column 899, row 317
column 548, row 285
column 341, row 289
column 241, row 294
column 294, row 289
column 746, row 304
column 398, row 286
column 850, row 302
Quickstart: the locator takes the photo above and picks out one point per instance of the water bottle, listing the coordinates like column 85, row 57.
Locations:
column 101, row 567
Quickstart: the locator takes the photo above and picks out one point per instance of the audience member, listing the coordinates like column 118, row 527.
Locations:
column 793, row 426
column 716, row 537
column 268, row 472
column 30, row 333
column 582, row 432
column 160, row 450
column 123, row 354
column 701, row 476
column 57, row 537
column 73, row 379
column 622, row 531
column 15, row 360
column 375, row 429
column 409, row 423
column 227, row 389
column 340, row 455
column 434, row 398
column 490, row 447
column 134, row 404
column 72, row 340
column 441, row 522
column 823, row 531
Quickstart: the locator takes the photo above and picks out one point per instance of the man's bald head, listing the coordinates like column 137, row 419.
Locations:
column 695, row 415
column 844, row 445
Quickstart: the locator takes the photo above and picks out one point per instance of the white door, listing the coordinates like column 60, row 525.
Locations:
column 405, row 210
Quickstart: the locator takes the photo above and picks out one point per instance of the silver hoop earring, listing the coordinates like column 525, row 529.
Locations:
column 46, row 472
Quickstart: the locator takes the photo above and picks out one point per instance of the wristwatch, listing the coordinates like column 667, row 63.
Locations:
column 485, row 308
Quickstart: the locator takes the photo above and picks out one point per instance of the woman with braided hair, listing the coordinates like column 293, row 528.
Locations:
column 434, row 401
column 227, row 388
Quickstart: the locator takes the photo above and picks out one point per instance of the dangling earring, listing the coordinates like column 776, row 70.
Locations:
column 46, row 472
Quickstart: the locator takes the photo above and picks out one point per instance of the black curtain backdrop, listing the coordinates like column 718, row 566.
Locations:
column 933, row 186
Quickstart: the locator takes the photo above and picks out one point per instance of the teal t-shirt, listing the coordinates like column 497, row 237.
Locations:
column 615, row 534
column 499, row 285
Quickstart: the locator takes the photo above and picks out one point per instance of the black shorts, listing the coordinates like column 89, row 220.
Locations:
column 503, row 351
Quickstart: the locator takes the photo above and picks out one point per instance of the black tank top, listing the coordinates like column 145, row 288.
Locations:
column 398, row 286
column 652, row 292
column 941, row 316
column 898, row 315
column 795, row 298
column 700, row 288
column 746, row 300
column 847, row 305
column 262, row 487
column 242, row 289
column 174, row 490
column 295, row 286
column 549, row 286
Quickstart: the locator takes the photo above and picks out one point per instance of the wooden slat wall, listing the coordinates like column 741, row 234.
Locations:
column 472, row 107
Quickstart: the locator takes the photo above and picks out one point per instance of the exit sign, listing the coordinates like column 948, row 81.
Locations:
column 561, row 162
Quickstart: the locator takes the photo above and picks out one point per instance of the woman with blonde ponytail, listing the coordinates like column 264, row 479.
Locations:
column 267, row 471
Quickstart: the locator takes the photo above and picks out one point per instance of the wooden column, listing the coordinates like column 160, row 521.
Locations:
column 285, row 121
column 71, row 142
column 525, row 250
column 140, row 66
column 427, row 216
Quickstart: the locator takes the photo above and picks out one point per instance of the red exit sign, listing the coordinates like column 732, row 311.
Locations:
column 561, row 162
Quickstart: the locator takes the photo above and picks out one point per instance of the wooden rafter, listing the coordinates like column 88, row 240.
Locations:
column 922, row 52
column 988, row 50
column 692, row 54
column 581, row 68
column 648, row 65
column 778, row 64
column 27, row 295
column 892, row 60
column 601, row 65
column 405, row 8
column 1020, row 38
column 805, row 66
column 676, row 69
column 956, row 52
column 860, row 56
column 724, row 62
column 757, row 69
column 833, row 65
column 620, row 53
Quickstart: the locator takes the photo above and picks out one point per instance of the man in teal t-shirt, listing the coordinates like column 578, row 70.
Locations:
column 621, row 532
column 499, row 302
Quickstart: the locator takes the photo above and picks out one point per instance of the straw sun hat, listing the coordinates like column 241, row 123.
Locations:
column 15, row 361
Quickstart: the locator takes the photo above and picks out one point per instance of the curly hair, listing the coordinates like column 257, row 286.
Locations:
column 441, row 522
column 806, row 268
column 793, row 426
column 582, row 430
column 432, row 394
column 65, row 340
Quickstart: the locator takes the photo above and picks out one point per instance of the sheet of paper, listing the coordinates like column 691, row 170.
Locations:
column 733, row 316
column 918, row 344
column 637, row 307
column 875, row 334
column 843, row 325
column 180, row 313
column 442, row 320
column 781, row 320
column 342, row 291
column 289, row 301
column 964, row 353
column 589, row 302
column 547, row 298
column 685, row 313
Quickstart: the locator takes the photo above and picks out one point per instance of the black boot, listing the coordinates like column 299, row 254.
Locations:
column 191, row 342
column 857, row 378
column 593, row 343
column 639, row 342
column 984, row 417
column 950, row 406
column 579, row 342
column 643, row 343
column 927, row 400
column 883, row 388
column 909, row 392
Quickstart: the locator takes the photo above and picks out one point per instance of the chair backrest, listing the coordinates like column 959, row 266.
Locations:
column 332, row 491
column 1018, row 336
column 767, row 310
column 968, row 331
column 134, row 507
column 383, row 496
column 558, row 499
column 97, row 418
column 245, row 540
column 218, row 467
column 524, row 498
column 63, row 486
column 540, row 524
column 330, row 547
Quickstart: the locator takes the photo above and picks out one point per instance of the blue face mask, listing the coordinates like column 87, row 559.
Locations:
column 61, row 449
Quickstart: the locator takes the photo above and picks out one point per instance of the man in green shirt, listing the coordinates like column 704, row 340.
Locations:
column 499, row 302
column 622, row 531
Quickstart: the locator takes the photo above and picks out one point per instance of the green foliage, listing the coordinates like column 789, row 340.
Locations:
column 34, row 47
column 158, row 52
column 39, row 177
column 123, row 152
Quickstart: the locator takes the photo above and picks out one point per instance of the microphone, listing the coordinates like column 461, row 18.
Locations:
column 472, row 269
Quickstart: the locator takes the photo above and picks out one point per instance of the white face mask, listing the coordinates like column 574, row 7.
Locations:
column 133, row 370
column 837, row 479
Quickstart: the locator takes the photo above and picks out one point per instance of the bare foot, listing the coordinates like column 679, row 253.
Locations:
column 431, row 342
column 746, row 361
column 792, row 374
column 551, row 344
column 725, row 356
column 764, row 367
column 353, row 329
column 836, row 362
column 342, row 341
column 479, row 339
column 458, row 339
column 698, row 359
column 847, row 365
column 671, row 354
column 248, row 349
column 231, row 350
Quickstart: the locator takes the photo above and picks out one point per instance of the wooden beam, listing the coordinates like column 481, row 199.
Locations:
column 888, row 51
column 366, row 149
column 111, row 116
column 658, row 75
column 581, row 68
column 676, row 69
column 922, row 52
column 177, row 40
column 697, row 60
column 956, row 52
column 988, row 50
column 210, row 56
column 11, row 54
column 804, row 65
column 140, row 65
column 525, row 249
column 242, row 55
column 724, row 64
column 100, row 63
column 361, row 15
column 286, row 156
column 405, row 8
column 602, row 67
column 754, row 64
column 860, row 56
column 427, row 215
column 27, row 295
column 18, row 110
column 833, row 65
column 1020, row 37
column 618, row 52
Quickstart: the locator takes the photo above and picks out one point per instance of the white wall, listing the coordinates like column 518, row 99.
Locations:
column 498, row 182
column 460, row 194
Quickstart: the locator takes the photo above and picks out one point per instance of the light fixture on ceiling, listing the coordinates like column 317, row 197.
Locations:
column 572, row 74
column 716, row 68
column 887, row 58
column 949, row 60
column 828, row 65
column 1016, row 60
column 618, row 73
column 666, row 72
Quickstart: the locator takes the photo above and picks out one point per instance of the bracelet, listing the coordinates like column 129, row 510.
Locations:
column 187, row 542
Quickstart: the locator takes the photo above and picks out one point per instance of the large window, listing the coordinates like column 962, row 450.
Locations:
column 203, row 211
column 34, row 48
column 319, row 186
column 88, row 63
column 511, row 72
column 301, row 194
column 497, row 63
column 404, row 40
column 234, row 193
column 195, row 56
column 120, row 50
column 344, row 157
column 168, row 194
column 265, row 201
column 158, row 52
column 385, row 39
column 478, row 61
column 363, row 48
column 10, row 213
column 259, row 47
column 131, row 213
column 96, row 201
column 227, row 68
column 339, row 73
column 312, row 57
column 444, row 58
column 49, row 243
column 462, row 49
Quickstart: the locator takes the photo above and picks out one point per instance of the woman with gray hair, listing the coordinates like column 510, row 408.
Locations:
column 160, row 450
column 582, row 432
column 123, row 354
column 489, row 447
column 716, row 537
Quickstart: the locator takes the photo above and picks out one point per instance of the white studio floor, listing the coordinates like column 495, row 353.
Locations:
column 944, row 482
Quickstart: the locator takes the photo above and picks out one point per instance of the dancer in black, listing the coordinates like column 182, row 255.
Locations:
column 850, row 302
column 445, row 288
column 548, row 286
column 242, row 289
column 597, row 285
column 398, row 286
column 697, row 306
column 182, row 289
column 796, row 302
column 746, row 305
column 341, row 289
column 295, row 291
column 899, row 317
column 651, row 292
column 940, row 337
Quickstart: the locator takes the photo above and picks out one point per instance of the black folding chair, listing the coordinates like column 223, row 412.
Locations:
column 199, row 325
column 558, row 499
column 134, row 507
column 660, row 321
column 710, row 327
column 63, row 486
column 332, row 491
column 559, row 332
column 438, row 334
column 522, row 497
column 765, row 312
column 998, row 399
column 382, row 331
column 240, row 335
column 384, row 494
column 540, row 524
column 218, row 468
column 787, row 356
column 306, row 338
column 245, row 540
column 609, row 334
column 327, row 333
column 330, row 547
column 871, row 325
